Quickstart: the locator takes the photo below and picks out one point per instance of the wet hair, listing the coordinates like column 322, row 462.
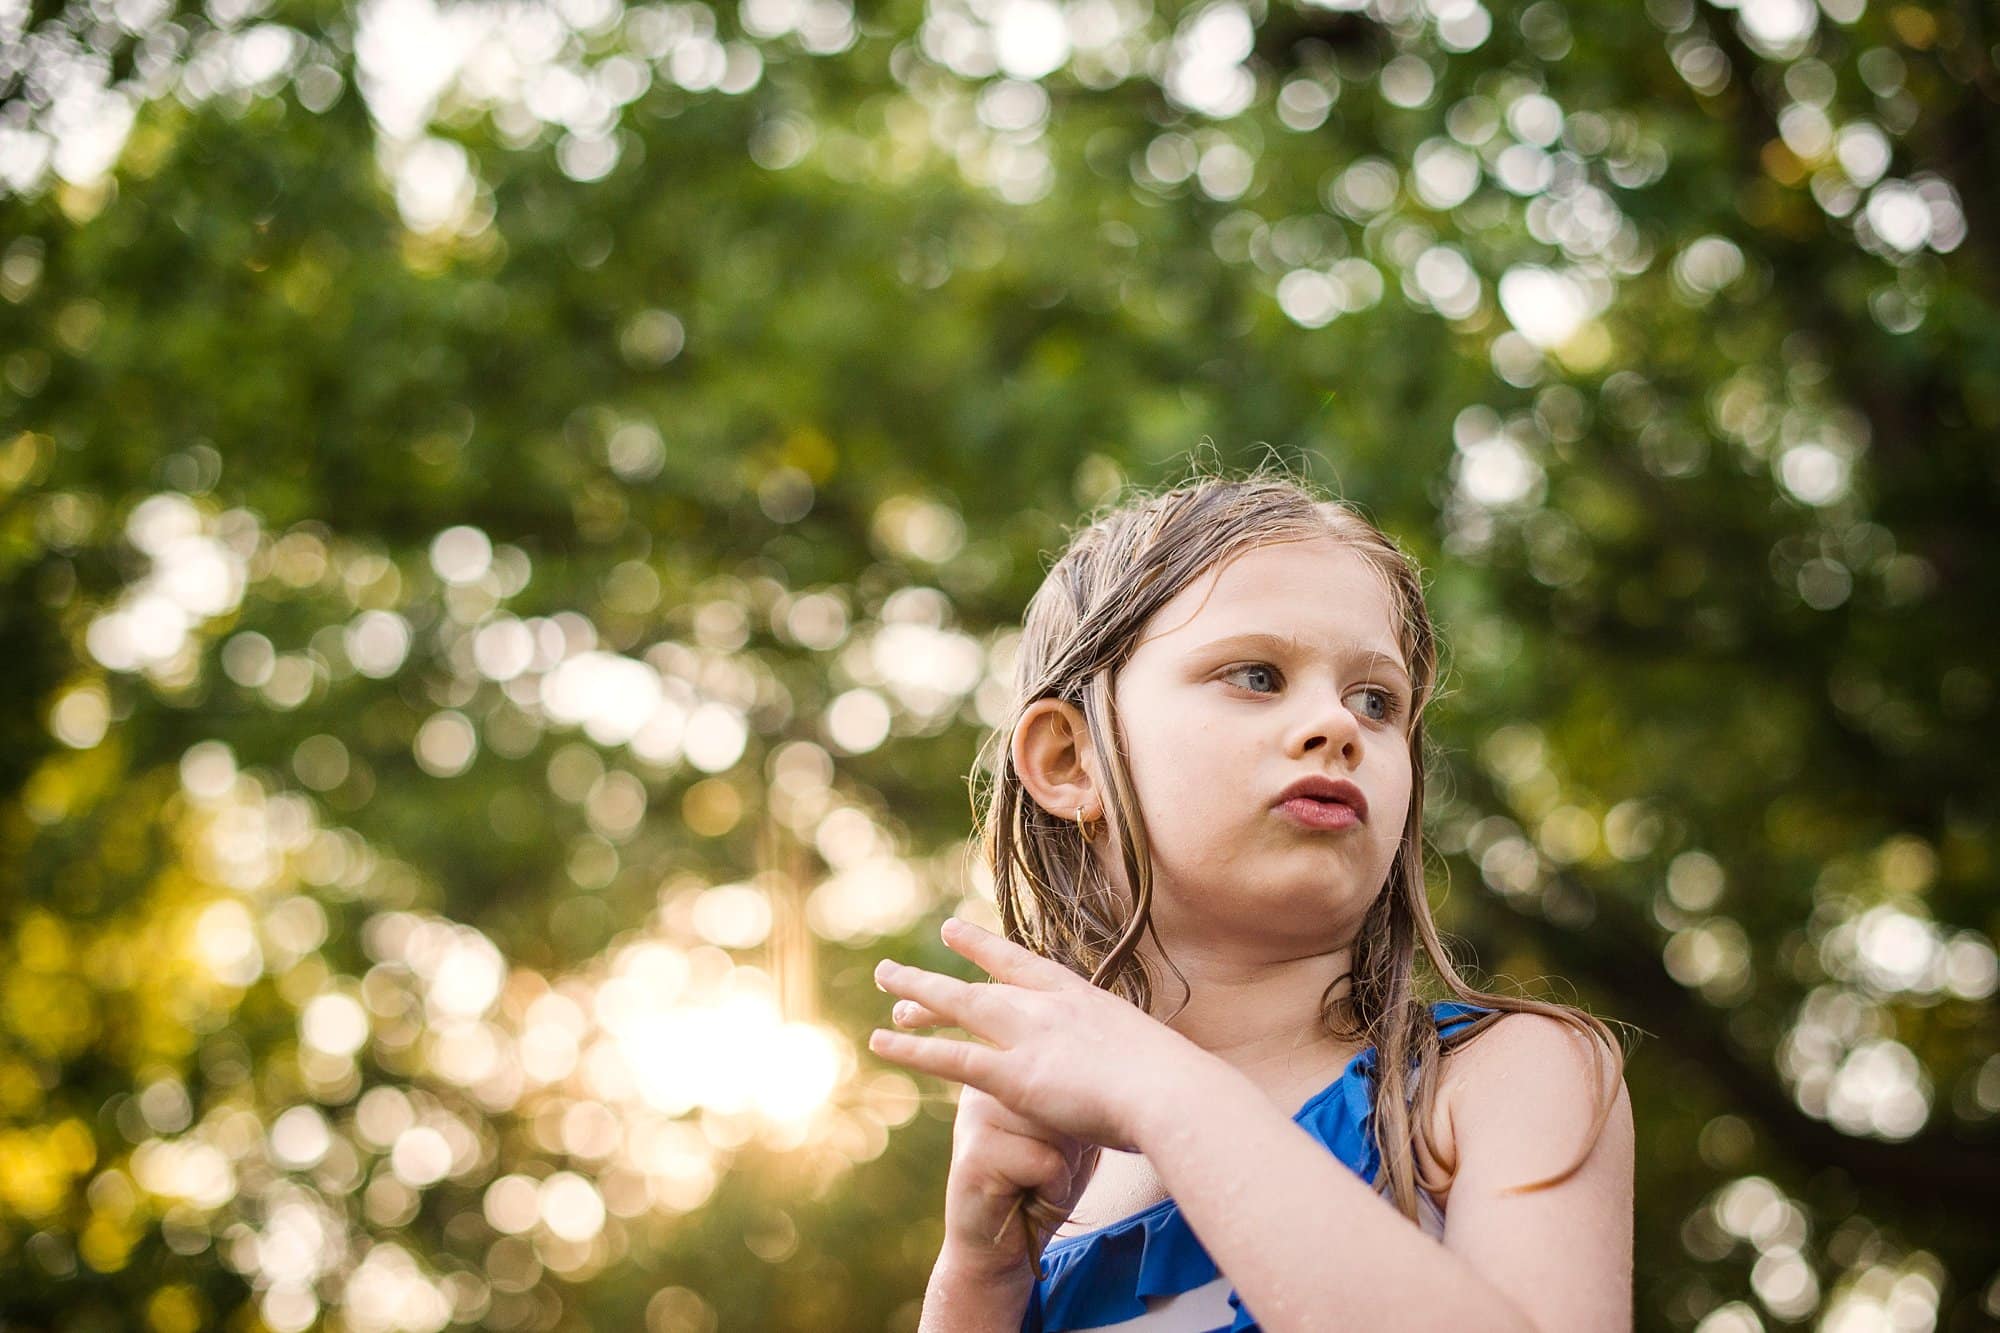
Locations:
column 1119, row 568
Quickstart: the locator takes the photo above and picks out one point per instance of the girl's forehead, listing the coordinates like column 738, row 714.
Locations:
column 1310, row 588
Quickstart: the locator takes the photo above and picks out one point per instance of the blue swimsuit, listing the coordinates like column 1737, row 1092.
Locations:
column 1105, row 1277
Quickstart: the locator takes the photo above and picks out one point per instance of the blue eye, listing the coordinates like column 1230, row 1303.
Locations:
column 1265, row 667
column 1389, row 702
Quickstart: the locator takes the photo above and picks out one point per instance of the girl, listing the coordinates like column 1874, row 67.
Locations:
column 1214, row 767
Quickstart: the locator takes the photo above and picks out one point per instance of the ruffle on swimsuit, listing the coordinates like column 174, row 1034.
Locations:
column 1107, row 1275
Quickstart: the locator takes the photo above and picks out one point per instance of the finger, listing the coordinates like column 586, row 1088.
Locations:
column 960, row 1061
column 1006, row 1119
column 962, row 1003
column 910, row 1014
column 1008, row 1165
column 1005, row 960
column 1037, row 1166
column 999, row 1117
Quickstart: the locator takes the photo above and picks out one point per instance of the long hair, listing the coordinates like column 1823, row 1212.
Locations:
column 1081, row 626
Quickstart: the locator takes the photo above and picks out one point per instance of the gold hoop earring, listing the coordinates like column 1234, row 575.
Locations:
column 1082, row 827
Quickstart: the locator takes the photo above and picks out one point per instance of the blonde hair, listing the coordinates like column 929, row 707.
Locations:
column 1081, row 626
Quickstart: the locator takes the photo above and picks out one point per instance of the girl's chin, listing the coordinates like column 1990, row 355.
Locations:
column 1295, row 868
column 1287, row 890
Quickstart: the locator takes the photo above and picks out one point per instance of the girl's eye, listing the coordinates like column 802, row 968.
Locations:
column 1387, row 701
column 1249, row 668
column 1390, row 704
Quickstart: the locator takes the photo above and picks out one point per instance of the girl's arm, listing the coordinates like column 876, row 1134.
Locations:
column 1306, row 1244
column 985, row 1273
column 1309, row 1246
column 960, row 1299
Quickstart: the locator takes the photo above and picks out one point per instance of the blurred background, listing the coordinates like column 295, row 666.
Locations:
column 511, row 514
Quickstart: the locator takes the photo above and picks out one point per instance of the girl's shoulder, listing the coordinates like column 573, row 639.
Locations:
column 1456, row 1064
column 1509, row 1037
column 1437, row 1152
column 1551, row 1049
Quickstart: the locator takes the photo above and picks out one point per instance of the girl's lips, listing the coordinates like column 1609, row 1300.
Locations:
column 1319, row 814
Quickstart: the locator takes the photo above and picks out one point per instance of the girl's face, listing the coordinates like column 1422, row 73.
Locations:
column 1282, row 664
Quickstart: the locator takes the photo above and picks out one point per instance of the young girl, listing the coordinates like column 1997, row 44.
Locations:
column 1214, row 768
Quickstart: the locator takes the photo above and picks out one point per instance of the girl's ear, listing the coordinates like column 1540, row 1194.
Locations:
column 1055, row 760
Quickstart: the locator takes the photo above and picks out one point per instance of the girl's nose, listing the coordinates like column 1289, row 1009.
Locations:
column 1330, row 722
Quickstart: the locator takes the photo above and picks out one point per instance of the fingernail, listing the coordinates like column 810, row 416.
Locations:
column 902, row 1010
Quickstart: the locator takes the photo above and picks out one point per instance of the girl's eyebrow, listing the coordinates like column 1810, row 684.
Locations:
column 1292, row 643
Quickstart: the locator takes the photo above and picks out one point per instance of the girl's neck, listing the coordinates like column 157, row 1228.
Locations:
column 1255, row 1014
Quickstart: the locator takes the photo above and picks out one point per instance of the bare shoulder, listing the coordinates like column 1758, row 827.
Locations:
column 1511, row 1048
column 1526, row 1043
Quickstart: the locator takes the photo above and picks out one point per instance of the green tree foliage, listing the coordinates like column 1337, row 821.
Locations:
column 510, row 519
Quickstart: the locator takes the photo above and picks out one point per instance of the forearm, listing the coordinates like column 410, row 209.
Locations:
column 1307, row 1245
column 962, row 1300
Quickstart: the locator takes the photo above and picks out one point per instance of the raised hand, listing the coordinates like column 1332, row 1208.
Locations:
column 1078, row 1060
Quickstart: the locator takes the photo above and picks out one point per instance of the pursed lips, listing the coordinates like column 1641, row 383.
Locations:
column 1327, row 791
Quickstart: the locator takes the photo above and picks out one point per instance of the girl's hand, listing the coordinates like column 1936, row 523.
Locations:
column 1075, row 1059
column 999, row 1158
